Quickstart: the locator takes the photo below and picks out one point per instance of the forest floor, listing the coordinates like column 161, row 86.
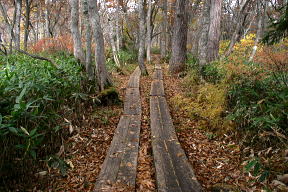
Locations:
column 216, row 161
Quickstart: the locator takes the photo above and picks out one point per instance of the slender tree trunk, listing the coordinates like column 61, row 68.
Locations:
column 141, row 52
column 149, row 31
column 235, row 36
column 119, row 39
column 27, row 22
column 102, row 73
column 88, row 36
column 259, row 28
column 179, row 38
column 9, row 26
column 47, row 22
column 77, row 48
column 113, row 45
column 202, row 47
column 18, row 7
column 164, row 30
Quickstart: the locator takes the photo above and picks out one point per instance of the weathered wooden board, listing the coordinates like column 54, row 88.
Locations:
column 128, row 166
column 157, row 88
column 132, row 102
column 120, row 164
column 157, row 74
column 110, row 167
column 173, row 171
column 134, row 79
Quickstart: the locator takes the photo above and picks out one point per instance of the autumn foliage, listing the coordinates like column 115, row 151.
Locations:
column 52, row 45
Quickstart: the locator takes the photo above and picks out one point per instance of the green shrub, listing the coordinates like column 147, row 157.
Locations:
column 32, row 92
column 259, row 105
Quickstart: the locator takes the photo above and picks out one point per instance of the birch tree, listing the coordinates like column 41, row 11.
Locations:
column 239, row 20
column 77, row 48
column 88, row 37
column 101, row 71
column 202, row 47
column 164, row 30
column 149, row 31
column 18, row 9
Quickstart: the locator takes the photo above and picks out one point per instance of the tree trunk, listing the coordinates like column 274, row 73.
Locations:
column 47, row 21
column 179, row 38
column 113, row 45
column 18, row 7
column 164, row 31
column 202, row 47
column 259, row 28
column 102, row 73
column 235, row 36
column 9, row 26
column 149, row 31
column 214, row 30
column 27, row 22
column 77, row 44
column 88, row 36
column 141, row 52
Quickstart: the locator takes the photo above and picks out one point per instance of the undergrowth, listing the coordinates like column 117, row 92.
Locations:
column 33, row 95
column 247, row 99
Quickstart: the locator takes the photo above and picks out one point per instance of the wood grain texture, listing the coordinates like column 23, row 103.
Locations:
column 173, row 171
column 120, row 164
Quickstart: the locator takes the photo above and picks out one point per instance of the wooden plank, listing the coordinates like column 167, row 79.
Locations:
column 183, row 170
column 134, row 79
column 128, row 167
column 173, row 171
column 110, row 167
column 157, row 74
column 157, row 88
column 132, row 102
column 165, row 174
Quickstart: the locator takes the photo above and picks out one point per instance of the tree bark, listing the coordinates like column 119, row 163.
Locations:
column 9, row 25
column 164, row 30
column 179, row 38
column 214, row 30
column 102, row 73
column 113, row 45
column 235, row 36
column 149, row 31
column 27, row 21
column 261, row 16
column 18, row 7
column 47, row 33
column 202, row 47
column 88, row 36
column 77, row 44
column 141, row 50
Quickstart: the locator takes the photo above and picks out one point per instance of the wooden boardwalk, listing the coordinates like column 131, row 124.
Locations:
column 173, row 171
column 120, row 164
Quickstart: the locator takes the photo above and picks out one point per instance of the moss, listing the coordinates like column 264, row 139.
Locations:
column 109, row 96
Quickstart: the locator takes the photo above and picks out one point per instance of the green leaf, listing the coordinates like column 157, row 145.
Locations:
column 256, row 169
column 33, row 132
column 25, row 131
column 263, row 176
column 32, row 153
column 13, row 130
column 19, row 98
column 250, row 165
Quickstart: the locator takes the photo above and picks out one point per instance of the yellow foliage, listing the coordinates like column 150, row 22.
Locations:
column 207, row 106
